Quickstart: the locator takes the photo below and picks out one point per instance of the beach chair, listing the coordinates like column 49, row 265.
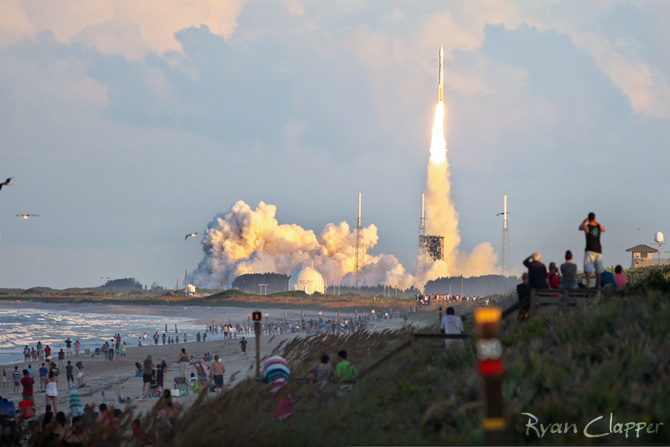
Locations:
column 7, row 417
column 87, row 352
column 26, row 409
column 181, row 385
column 97, row 351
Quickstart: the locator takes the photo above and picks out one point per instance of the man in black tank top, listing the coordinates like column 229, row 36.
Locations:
column 593, row 258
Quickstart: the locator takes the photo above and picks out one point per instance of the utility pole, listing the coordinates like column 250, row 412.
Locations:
column 504, row 261
column 360, row 253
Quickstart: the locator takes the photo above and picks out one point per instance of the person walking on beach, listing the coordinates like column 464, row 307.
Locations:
column 218, row 369
column 183, row 362
column 593, row 254
column 52, row 392
column 243, row 346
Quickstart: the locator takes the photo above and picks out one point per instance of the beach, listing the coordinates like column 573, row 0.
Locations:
column 117, row 378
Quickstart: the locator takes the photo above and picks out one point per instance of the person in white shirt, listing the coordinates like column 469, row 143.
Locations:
column 451, row 324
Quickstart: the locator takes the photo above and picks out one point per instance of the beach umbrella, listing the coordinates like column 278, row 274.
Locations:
column 76, row 408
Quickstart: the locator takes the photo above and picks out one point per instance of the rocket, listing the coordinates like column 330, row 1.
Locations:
column 440, row 86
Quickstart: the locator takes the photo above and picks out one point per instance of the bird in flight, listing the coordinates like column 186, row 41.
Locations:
column 191, row 235
column 27, row 216
column 6, row 182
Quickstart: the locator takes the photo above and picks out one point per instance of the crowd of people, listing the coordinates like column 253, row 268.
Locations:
column 427, row 299
column 565, row 277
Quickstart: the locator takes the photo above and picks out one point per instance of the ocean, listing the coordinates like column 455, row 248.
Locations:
column 92, row 324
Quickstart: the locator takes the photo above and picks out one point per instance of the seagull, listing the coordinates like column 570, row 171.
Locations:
column 191, row 235
column 6, row 182
column 27, row 216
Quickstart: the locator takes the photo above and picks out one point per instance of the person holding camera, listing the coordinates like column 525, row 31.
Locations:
column 593, row 257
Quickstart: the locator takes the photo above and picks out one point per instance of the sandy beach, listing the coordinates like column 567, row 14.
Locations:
column 118, row 377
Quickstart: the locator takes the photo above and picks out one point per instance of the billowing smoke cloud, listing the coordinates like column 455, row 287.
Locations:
column 244, row 240
column 252, row 241
column 442, row 218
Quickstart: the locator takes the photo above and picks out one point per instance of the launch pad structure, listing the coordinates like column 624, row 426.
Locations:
column 431, row 248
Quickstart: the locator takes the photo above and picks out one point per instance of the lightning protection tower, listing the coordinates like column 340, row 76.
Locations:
column 504, row 261
column 360, row 251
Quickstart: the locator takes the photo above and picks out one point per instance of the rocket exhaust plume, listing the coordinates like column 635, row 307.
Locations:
column 441, row 215
column 244, row 240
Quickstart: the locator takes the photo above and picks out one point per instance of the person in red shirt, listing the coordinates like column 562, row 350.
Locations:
column 554, row 277
column 28, row 383
column 47, row 351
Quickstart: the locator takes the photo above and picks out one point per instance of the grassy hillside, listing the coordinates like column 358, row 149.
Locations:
column 566, row 365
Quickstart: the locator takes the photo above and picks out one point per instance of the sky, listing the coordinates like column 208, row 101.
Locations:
column 128, row 124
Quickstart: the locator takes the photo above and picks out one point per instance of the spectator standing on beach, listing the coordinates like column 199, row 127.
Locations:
column 450, row 324
column 61, row 358
column 218, row 369
column 183, row 362
column 593, row 258
column 553, row 277
column 77, row 347
column 160, row 376
column 52, row 391
column 69, row 374
column 47, row 351
column 40, row 351
column 619, row 278
column 323, row 372
column 30, row 371
column 43, row 377
column 80, row 374
column 16, row 376
column 568, row 272
column 68, row 346
column 28, row 383
column 147, row 366
column 124, row 346
column 537, row 272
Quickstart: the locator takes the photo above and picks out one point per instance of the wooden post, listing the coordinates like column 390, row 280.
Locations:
column 257, row 331
column 490, row 366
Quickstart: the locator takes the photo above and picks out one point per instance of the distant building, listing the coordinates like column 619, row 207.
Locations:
column 308, row 280
column 643, row 255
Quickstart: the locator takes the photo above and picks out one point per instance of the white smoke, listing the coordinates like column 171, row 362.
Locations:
column 244, row 240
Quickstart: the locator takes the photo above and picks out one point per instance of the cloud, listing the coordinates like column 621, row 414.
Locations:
column 130, row 27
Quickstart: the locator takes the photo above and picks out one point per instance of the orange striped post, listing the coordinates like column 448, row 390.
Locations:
column 490, row 367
